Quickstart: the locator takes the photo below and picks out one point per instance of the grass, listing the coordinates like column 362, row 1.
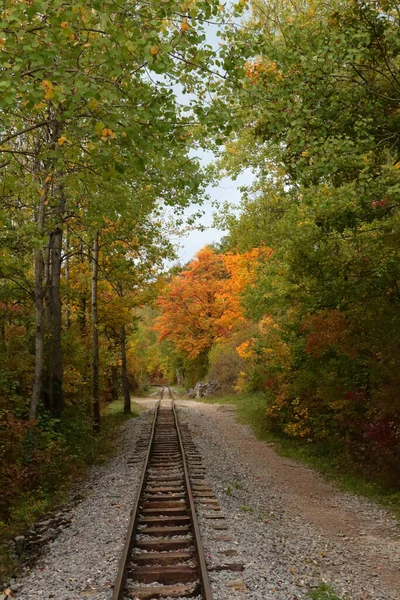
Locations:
column 179, row 389
column 151, row 389
column 335, row 467
column 84, row 450
column 117, row 409
column 323, row 592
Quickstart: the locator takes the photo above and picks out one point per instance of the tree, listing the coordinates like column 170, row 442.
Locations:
column 319, row 103
column 85, row 112
column 202, row 304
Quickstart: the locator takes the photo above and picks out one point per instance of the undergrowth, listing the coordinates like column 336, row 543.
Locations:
column 76, row 449
column 330, row 461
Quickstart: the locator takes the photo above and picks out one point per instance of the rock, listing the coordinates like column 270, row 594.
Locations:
column 43, row 524
column 237, row 585
column 51, row 534
column 203, row 389
column 19, row 544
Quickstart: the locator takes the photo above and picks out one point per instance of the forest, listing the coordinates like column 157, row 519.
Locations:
column 103, row 107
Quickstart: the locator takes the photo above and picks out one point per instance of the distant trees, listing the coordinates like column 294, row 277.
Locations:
column 201, row 306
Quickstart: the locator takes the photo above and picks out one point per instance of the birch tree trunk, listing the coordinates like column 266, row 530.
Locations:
column 95, row 335
column 39, row 338
column 53, row 378
column 57, row 374
column 39, row 292
column 67, row 278
column 124, row 373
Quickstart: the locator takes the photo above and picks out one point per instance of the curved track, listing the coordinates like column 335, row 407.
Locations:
column 163, row 555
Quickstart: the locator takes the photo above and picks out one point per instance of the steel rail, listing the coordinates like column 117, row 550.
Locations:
column 123, row 563
column 132, row 526
column 201, row 561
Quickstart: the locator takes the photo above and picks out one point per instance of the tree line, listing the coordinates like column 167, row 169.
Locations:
column 95, row 150
column 319, row 111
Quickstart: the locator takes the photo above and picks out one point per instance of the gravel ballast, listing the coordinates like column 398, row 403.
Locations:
column 290, row 529
column 287, row 527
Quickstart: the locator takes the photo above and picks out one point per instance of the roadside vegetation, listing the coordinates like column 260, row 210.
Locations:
column 323, row 592
column 63, row 454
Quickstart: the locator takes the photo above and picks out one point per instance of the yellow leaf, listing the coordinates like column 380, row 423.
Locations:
column 93, row 104
column 48, row 179
column 64, row 25
column 86, row 45
column 154, row 50
column 61, row 140
column 48, row 89
column 2, row 42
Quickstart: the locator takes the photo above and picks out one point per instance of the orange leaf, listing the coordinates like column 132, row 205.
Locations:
column 185, row 25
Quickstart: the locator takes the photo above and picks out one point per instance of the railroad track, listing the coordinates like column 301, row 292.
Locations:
column 163, row 555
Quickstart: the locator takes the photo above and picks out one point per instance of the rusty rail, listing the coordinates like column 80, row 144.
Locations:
column 164, row 483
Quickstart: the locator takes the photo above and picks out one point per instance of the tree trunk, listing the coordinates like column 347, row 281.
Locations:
column 124, row 373
column 57, row 374
column 48, row 355
column 67, row 277
column 53, row 388
column 114, row 383
column 39, row 338
column 38, row 294
column 95, row 336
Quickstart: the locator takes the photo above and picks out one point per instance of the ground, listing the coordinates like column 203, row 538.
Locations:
column 300, row 530
column 294, row 533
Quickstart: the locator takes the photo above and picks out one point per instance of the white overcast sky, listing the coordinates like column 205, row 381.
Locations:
column 226, row 191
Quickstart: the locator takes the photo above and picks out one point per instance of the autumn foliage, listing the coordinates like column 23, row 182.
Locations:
column 202, row 305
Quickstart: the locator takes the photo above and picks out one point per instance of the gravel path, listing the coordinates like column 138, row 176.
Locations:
column 82, row 561
column 291, row 529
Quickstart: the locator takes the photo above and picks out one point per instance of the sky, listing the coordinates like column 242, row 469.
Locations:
column 226, row 191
